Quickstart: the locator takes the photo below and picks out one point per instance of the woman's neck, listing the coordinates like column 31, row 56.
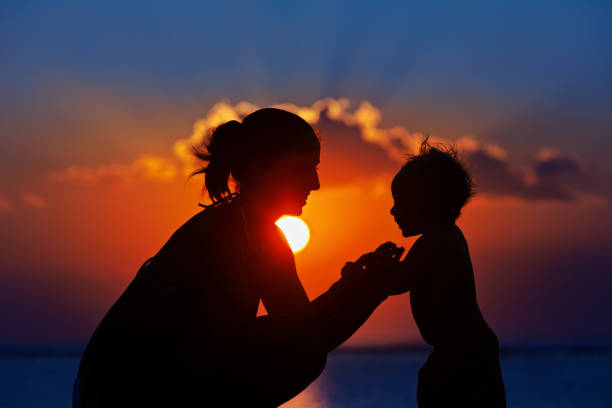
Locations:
column 256, row 212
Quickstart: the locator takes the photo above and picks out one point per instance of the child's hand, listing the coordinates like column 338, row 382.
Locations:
column 390, row 249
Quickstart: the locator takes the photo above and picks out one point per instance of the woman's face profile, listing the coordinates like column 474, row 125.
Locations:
column 288, row 182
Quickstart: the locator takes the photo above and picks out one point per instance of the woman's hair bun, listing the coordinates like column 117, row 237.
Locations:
column 221, row 151
column 223, row 141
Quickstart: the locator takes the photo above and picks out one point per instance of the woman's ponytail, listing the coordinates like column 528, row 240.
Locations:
column 222, row 155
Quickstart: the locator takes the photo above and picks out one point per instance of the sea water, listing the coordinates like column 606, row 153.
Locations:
column 543, row 378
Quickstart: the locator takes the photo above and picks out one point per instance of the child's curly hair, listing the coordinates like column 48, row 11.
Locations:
column 446, row 184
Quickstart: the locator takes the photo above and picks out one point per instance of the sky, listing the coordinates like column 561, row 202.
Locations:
column 100, row 102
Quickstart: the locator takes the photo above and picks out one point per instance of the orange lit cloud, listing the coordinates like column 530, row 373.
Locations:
column 146, row 166
column 5, row 204
column 33, row 200
column 366, row 117
column 28, row 199
column 356, row 146
column 355, row 140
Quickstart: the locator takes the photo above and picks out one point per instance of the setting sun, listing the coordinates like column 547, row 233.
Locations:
column 295, row 230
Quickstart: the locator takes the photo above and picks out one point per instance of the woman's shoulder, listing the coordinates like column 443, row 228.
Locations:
column 219, row 216
column 269, row 241
column 211, row 227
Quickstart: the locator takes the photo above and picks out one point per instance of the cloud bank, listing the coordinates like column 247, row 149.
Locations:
column 359, row 147
column 144, row 167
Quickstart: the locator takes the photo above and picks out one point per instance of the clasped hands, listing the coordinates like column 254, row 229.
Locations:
column 381, row 268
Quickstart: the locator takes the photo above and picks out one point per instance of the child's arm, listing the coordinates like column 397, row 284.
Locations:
column 413, row 268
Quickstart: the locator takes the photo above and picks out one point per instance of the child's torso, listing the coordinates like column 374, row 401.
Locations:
column 444, row 300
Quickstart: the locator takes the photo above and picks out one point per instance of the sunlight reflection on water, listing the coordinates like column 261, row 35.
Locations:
column 364, row 380
column 354, row 380
column 309, row 398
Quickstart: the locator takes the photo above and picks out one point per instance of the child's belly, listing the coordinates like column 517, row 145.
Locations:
column 441, row 324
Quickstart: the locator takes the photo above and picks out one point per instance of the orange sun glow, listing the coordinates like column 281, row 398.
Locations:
column 296, row 231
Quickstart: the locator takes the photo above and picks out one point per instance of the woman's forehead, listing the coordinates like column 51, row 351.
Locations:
column 301, row 158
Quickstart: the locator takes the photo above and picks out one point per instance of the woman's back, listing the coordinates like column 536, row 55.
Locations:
column 185, row 307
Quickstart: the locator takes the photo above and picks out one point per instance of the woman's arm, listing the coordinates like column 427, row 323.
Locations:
column 343, row 309
column 275, row 277
column 331, row 318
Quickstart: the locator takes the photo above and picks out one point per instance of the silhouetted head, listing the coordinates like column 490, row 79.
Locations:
column 430, row 190
column 272, row 156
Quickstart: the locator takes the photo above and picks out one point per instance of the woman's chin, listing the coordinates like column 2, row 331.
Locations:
column 294, row 210
column 297, row 211
column 298, row 208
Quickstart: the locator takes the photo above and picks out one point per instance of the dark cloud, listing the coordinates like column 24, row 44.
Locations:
column 556, row 166
column 552, row 177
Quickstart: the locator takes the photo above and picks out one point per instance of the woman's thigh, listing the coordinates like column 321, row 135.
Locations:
column 272, row 377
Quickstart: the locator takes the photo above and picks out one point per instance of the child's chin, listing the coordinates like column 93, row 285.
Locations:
column 408, row 233
column 407, row 230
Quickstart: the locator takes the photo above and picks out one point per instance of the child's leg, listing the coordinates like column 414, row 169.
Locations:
column 461, row 378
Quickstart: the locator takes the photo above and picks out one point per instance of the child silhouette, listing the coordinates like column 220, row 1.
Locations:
column 463, row 369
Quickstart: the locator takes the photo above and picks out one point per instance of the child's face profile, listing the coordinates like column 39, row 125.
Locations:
column 407, row 209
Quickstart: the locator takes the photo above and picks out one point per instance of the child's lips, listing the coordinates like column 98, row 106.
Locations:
column 399, row 224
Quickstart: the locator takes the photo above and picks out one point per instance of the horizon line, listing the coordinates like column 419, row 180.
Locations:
column 74, row 350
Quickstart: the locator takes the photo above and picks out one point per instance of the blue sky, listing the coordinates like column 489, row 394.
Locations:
column 513, row 51
column 441, row 67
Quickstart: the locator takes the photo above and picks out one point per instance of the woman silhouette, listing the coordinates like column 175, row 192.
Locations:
column 185, row 330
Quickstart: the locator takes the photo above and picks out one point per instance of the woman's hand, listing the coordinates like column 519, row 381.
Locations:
column 379, row 269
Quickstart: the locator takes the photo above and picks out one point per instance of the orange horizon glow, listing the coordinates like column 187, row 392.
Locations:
column 85, row 227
